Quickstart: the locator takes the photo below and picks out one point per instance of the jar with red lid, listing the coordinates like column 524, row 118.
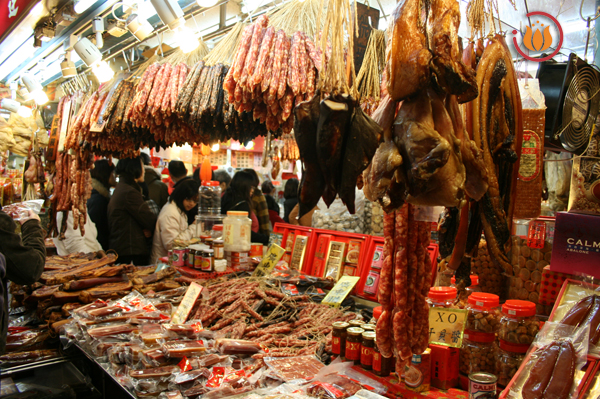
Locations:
column 509, row 359
column 518, row 324
column 464, row 292
column 484, row 315
column 478, row 353
column 441, row 297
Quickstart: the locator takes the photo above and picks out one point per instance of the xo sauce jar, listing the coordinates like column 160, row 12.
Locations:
column 367, row 350
column 338, row 342
column 353, row 344
column 442, row 297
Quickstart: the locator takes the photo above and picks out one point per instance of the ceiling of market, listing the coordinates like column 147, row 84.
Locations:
column 18, row 55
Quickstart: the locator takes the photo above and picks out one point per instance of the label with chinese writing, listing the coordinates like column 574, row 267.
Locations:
column 352, row 350
column 341, row 290
column 366, row 356
column 446, row 326
column 268, row 262
column 531, row 156
column 188, row 301
column 376, row 361
column 536, row 234
column 335, row 345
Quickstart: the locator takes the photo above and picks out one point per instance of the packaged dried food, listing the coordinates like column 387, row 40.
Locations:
column 483, row 315
column 334, row 387
column 509, row 360
column 294, row 368
column 585, row 186
column 441, row 297
column 518, row 324
column 478, row 353
column 531, row 251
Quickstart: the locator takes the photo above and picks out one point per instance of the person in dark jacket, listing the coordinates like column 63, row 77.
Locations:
column 290, row 193
column 103, row 178
column 238, row 197
column 157, row 190
column 129, row 217
column 268, row 190
column 22, row 260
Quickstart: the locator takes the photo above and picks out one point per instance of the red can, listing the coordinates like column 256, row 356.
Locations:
column 256, row 249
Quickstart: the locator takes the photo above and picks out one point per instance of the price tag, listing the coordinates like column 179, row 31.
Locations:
column 340, row 291
column 268, row 262
column 446, row 326
column 186, row 305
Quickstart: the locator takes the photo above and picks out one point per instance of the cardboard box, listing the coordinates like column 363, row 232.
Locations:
column 576, row 247
column 444, row 366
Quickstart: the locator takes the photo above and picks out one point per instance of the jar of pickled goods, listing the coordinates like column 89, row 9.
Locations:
column 518, row 324
column 441, row 297
column 478, row 353
column 217, row 232
column 484, row 315
column 236, row 231
column 508, row 361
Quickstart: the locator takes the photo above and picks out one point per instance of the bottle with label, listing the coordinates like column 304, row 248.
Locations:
column 338, row 342
column 207, row 260
column 353, row 344
column 367, row 349
column 219, row 249
column 236, row 231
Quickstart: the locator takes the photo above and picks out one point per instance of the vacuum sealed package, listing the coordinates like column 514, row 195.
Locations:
column 552, row 364
column 20, row 210
column 585, row 186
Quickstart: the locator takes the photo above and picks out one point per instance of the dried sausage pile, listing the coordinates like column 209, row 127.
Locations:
column 272, row 73
column 405, row 279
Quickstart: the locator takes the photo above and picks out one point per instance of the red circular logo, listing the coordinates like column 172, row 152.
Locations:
column 536, row 40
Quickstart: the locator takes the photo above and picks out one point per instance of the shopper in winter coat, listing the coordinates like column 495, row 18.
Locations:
column 268, row 190
column 290, row 193
column 22, row 260
column 157, row 190
column 259, row 205
column 238, row 197
column 129, row 217
column 172, row 222
column 103, row 178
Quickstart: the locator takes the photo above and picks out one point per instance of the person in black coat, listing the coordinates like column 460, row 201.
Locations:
column 290, row 193
column 103, row 178
column 238, row 197
column 130, row 219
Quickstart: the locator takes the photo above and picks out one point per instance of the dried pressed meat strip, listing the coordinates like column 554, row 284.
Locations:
column 265, row 49
column 250, row 63
column 147, row 87
column 156, row 87
column 242, row 51
column 162, row 88
column 284, row 69
column 314, row 53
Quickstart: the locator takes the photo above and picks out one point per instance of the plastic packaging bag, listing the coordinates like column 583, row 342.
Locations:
column 551, row 364
column 294, row 368
column 21, row 210
column 337, row 217
column 585, row 186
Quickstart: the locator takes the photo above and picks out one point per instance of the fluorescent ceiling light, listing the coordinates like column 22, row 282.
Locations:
column 82, row 5
column 169, row 12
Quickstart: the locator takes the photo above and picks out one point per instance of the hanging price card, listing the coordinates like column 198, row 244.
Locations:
column 187, row 303
column 268, row 262
column 446, row 326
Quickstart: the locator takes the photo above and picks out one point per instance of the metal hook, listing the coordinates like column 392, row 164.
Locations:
column 125, row 58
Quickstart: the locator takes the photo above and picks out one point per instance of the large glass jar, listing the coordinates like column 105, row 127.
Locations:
column 441, row 297
column 483, row 315
column 210, row 198
column 236, row 231
column 478, row 353
column 518, row 324
column 509, row 360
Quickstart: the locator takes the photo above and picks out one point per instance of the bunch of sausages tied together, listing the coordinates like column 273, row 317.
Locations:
column 403, row 327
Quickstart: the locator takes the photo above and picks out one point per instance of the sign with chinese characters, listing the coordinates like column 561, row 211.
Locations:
column 340, row 291
column 12, row 12
column 446, row 326
column 268, row 262
column 187, row 303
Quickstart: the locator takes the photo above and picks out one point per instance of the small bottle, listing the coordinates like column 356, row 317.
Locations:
column 207, row 260
column 217, row 232
column 219, row 248
column 382, row 366
column 353, row 344
column 367, row 349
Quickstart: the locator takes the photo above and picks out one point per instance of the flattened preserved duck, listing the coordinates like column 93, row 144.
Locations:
column 409, row 56
column 335, row 115
column 306, row 118
column 361, row 144
column 452, row 74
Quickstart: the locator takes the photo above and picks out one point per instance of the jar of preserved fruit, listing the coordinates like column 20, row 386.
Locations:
column 478, row 353
column 338, row 342
column 353, row 344
column 441, row 297
column 510, row 357
column 483, row 315
column 518, row 324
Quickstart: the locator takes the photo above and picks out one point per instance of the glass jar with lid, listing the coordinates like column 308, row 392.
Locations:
column 236, row 231
column 210, row 198
column 478, row 353
column 217, row 232
column 353, row 344
column 518, row 324
column 441, row 297
column 483, row 313
column 509, row 359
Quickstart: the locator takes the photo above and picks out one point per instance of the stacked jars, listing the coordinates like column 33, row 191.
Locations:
column 479, row 350
column 518, row 328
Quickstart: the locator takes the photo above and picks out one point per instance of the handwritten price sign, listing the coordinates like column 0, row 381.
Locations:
column 340, row 291
column 446, row 326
